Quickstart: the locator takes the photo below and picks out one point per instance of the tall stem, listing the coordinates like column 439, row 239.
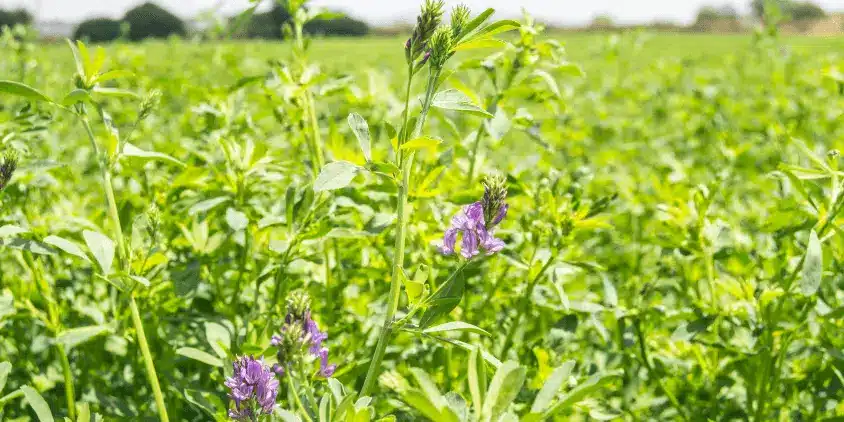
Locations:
column 68, row 382
column 401, row 231
column 124, row 263
column 148, row 364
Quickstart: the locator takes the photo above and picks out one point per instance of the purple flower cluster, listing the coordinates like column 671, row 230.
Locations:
column 311, row 336
column 254, row 388
column 477, row 233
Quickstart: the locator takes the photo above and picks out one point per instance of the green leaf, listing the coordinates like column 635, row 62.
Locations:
column 32, row 246
column 689, row 330
column 444, row 300
column 5, row 369
column 76, row 336
column 80, row 64
column 76, row 96
column 286, row 416
column 11, row 230
column 67, row 246
column 812, row 272
column 236, row 219
column 83, row 412
column 477, row 377
column 456, row 326
column 578, row 393
column 452, row 99
column 480, row 43
column 207, row 205
column 132, row 151
column 549, row 81
column 200, row 355
column 476, row 22
column 218, row 338
column 336, row 175
column 114, row 92
column 23, row 90
column 361, row 131
column 115, row 74
column 102, row 248
column 496, row 28
column 38, row 404
column 422, row 142
column 429, row 388
column 552, row 386
column 503, row 389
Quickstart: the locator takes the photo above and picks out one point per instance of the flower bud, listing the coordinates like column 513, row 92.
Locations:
column 426, row 24
column 149, row 104
column 494, row 200
column 441, row 43
column 7, row 168
column 459, row 19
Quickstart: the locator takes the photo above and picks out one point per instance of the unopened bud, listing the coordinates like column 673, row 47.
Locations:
column 7, row 168
column 149, row 103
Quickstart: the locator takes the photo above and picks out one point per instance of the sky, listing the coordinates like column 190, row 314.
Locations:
column 392, row 11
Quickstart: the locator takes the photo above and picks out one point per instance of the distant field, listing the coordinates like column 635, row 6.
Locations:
column 348, row 54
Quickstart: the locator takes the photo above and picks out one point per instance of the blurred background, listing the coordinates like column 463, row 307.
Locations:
column 106, row 20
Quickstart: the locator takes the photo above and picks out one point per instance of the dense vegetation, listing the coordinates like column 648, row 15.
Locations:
column 644, row 227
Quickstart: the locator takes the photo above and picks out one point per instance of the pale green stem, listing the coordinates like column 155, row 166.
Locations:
column 401, row 232
column 148, row 364
column 124, row 261
column 295, row 393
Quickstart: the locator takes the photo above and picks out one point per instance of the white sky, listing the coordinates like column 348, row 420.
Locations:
column 388, row 11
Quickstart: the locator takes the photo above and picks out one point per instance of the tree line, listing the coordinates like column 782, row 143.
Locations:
column 149, row 20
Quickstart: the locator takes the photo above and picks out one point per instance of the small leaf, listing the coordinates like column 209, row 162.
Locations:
column 335, row 175
column 551, row 387
column 76, row 96
column 812, row 272
column 32, row 246
column 206, row 205
column 23, row 90
column 578, row 393
column 503, row 389
column 236, row 219
column 361, row 131
column 200, row 355
column 480, row 43
column 76, row 336
column 132, row 151
column 115, row 74
column 422, row 142
column 218, row 338
column 688, row 331
column 38, row 404
column 102, row 248
column 444, row 300
column 5, row 369
column 11, row 230
column 456, row 326
column 477, row 377
column 67, row 246
column 452, row 99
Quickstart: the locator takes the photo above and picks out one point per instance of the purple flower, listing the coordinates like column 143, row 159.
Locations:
column 470, row 222
column 298, row 332
column 477, row 221
column 253, row 387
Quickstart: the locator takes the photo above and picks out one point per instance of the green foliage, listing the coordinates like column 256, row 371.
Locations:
column 98, row 30
column 10, row 18
column 149, row 20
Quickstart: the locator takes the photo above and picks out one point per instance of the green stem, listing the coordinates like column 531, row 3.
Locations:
column 68, row 382
column 148, row 364
column 55, row 325
column 524, row 304
column 643, row 349
column 124, row 261
column 294, row 392
column 401, row 232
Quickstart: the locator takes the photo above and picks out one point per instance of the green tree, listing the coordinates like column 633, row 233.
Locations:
column 11, row 18
column 151, row 21
column 98, row 30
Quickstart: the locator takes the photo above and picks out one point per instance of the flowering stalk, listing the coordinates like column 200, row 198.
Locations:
column 123, row 258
